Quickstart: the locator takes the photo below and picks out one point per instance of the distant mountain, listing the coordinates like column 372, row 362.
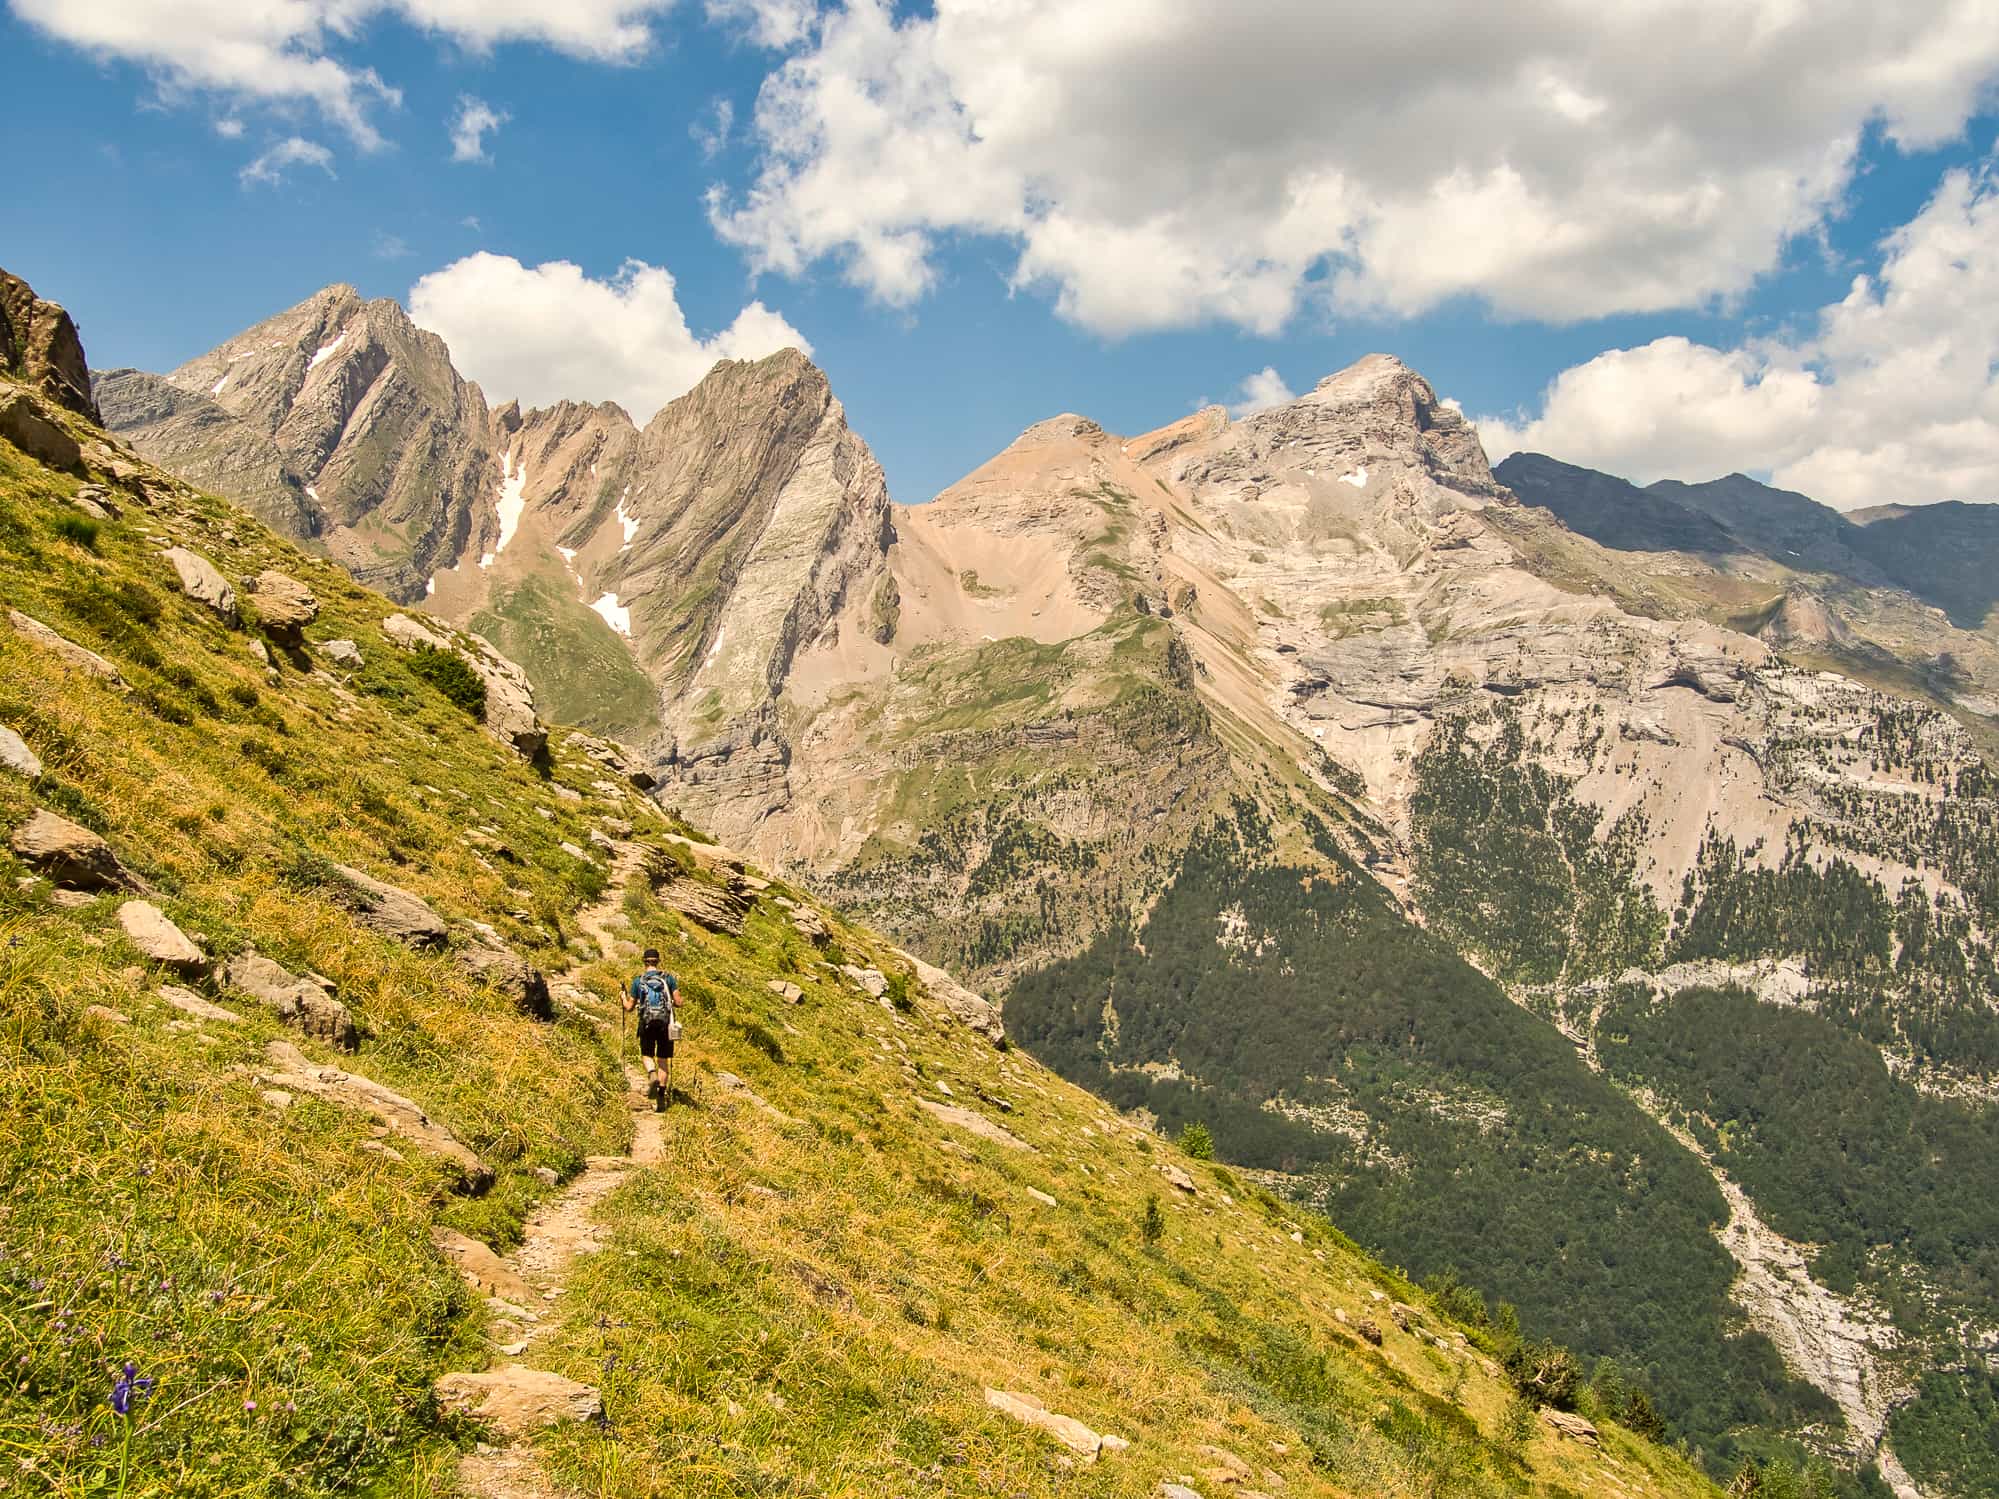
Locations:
column 1613, row 511
column 1948, row 553
column 1300, row 781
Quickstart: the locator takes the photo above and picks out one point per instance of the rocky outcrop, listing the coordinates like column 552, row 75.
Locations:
column 32, row 427
column 297, row 1073
column 390, row 910
column 294, row 1000
column 971, row 1010
column 973, row 1123
column 67, row 651
column 492, row 962
column 39, row 347
column 70, row 855
column 509, row 705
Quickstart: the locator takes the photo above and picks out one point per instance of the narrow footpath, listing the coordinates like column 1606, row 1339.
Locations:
column 515, row 1398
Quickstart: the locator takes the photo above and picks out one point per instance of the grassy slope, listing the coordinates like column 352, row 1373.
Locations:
column 269, row 1266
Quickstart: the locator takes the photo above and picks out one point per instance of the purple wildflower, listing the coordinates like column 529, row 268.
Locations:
column 130, row 1383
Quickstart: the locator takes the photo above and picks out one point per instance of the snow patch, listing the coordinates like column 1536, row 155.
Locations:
column 312, row 493
column 630, row 525
column 216, row 388
column 568, row 553
column 513, row 501
column 430, row 585
column 716, row 649
column 1358, row 478
column 616, row 615
column 325, row 352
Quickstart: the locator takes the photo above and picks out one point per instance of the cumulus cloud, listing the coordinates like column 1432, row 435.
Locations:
column 291, row 51
column 1260, row 392
column 1153, row 168
column 542, row 333
column 476, row 120
column 1892, row 397
column 270, row 166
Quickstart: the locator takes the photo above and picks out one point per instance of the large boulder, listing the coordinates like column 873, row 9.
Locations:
column 284, row 605
column 67, row 651
column 39, row 346
column 294, row 1000
column 70, row 854
column 203, row 582
column 29, row 426
column 16, row 756
column 717, row 907
column 509, row 712
column 153, row 933
column 391, row 910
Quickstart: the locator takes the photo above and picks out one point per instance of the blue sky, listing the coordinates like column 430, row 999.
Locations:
column 1100, row 231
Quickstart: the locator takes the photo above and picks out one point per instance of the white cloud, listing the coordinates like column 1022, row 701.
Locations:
column 1893, row 397
column 1260, row 392
column 229, row 128
column 546, row 332
column 476, row 120
column 389, row 246
column 776, row 24
column 291, row 51
column 294, row 151
column 1153, row 166
column 711, row 132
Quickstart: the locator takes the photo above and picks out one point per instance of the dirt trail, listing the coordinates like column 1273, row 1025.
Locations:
column 561, row 1230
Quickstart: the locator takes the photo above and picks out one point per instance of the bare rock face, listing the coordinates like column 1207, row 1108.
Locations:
column 719, row 908
column 39, row 347
column 284, row 605
column 1569, row 1424
column 203, row 582
column 148, row 929
column 392, row 911
column 972, row 1122
column 342, row 414
column 294, row 1000
column 973, row 1011
column 70, row 855
column 68, row 651
column 517, row 1401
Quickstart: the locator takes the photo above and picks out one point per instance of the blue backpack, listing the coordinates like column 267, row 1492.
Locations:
column 655, row 994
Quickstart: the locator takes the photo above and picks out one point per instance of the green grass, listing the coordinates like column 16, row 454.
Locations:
column 581, row 672
column 268, row 1268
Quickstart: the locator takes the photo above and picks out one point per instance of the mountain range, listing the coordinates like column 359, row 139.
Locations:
column 1582, row 891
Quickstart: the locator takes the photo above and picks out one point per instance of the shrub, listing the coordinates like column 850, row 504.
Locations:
column 449, row 673
column 1197, row 1141
column 80, row 529
column 1516, row 1423
column 1152, row 1227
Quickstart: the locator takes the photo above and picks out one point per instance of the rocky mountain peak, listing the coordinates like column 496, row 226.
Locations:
column 40, row 346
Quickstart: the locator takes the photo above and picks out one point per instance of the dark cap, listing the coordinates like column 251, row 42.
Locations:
column 652, row 955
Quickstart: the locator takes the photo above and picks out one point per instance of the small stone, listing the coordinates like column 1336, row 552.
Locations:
column 190, row 1003
column 277, row 1098
column 341, row 652
column 1041, row 1197
column 16, row 756
column 789, row 993
column 106, row 1013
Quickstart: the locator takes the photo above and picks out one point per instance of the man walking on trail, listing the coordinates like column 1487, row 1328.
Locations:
column 652, row 994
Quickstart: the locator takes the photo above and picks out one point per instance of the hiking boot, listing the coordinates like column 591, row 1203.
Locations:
column 658, row 1099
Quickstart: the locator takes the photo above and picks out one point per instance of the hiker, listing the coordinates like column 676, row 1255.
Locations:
column 652, row 993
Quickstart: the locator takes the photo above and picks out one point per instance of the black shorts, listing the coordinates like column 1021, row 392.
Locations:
column 654, row 1040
